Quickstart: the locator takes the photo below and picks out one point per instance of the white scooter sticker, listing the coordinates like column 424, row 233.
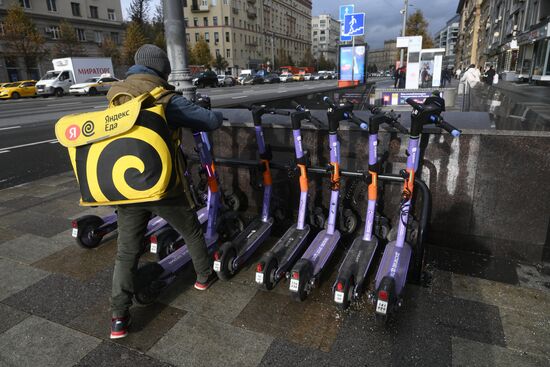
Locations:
column 381, row 307
column 260, row 278
column 75, row 232
column 217, row 265
column 294, row 285
column 339, row 297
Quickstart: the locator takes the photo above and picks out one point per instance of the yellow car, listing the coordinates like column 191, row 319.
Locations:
column 15, row 90
column 298, row 77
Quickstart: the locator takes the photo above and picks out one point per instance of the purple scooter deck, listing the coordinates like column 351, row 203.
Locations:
column 394, row 263
column 320, row 249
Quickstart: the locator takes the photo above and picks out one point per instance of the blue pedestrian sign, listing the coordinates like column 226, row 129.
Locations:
column 354, row 24
column 344, row 10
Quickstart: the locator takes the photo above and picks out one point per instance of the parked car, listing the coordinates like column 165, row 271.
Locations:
column 286, row 77
column 298, row 77
column 253, row 79
column 308, row 76
column 272, row 78
column 15, row 90
column 206, row 78
column 93, row 86
column 316, row 76
column 226, row 81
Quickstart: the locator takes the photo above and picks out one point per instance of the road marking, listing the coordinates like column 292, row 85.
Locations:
column 101, row 106
column 27, row 145
column 10, row 127
column 54, row 141
column 4, row 151
column 239, row 97
column 283, row 91
column 62, row 104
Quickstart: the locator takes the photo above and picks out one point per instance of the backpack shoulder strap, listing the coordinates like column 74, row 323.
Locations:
column 115, row 100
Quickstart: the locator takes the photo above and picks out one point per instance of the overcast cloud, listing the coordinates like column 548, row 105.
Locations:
column 382, row 16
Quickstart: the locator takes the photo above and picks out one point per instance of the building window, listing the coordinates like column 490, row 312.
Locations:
column 215, row 21
column 204, row 2
column 187, row 38
column 25, row 4
column 98, row 37
column 75, row 7
column 225, row 2
column 195, row 22
column 226, row 36
column 51, row 5
column 216, row 37
column 81, row 34
column 218, row 52
column 111, row 14
column 93, row 12
column 314, row 33
column 214, row 2
column 54, row 32
column 114, row 37
column 186, row 21
column 226, row 20
column 196, row 37
column 228, row 53
column 205, row 20
column 207, row 37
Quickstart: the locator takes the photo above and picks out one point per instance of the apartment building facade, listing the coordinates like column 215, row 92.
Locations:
column 325, row 37
column 446, row 38
column 384, row 58
column 250, row 33
column 93, row 22
column 511, row 35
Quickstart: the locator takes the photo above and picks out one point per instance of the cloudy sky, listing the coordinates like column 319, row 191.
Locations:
column 382, row 16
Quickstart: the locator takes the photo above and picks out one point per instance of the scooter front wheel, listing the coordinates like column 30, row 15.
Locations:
column 147, row 286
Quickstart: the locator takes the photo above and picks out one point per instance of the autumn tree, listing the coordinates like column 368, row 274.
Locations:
column 109, row 48
column 157, row 27
column 322, row 63
column 220, row 63
column 21, row 38
column 68, row 44
column 417, row 25
column 201, row 53
column 138, row 11
column 308, row 59
column 135, row 38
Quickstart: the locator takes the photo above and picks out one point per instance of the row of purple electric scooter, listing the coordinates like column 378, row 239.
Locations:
column 296, row 255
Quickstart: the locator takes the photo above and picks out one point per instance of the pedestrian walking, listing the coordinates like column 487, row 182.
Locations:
column 490, row 75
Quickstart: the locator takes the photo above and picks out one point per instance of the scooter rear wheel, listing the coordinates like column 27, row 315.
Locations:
column 269, row 274
column 349, row 285
column 305, row 274
column 86, row 237
column 226, row 269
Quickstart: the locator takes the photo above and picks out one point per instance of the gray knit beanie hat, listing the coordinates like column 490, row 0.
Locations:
column 153, row 57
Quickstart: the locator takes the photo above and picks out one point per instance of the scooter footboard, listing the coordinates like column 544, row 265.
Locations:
column 321, row 248
column 358, row 258
column 395, row 264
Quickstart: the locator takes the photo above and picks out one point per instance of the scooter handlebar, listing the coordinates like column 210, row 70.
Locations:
column 417, row 106
column 393, row 122
column 329, row 102
column 357, row 121
column 275, row 111
column 439, row 122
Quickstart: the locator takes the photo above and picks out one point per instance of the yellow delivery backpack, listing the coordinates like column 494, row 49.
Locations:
column 124, row 154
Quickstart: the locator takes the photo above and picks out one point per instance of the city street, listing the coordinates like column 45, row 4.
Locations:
column 29, row 150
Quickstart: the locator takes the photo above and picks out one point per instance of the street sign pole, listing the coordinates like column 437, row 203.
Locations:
column 353, row 60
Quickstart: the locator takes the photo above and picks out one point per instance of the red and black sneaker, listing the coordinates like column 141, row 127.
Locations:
column 119, row 327
column 204, row 285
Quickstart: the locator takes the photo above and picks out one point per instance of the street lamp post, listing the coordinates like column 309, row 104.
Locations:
column 404, row 12
column 176, row 46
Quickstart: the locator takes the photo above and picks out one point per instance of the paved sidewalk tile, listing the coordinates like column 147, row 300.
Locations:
column 38, row 342
column 7, row 234
column 149, row 324
column 28, row 221
column 59, row 207
column 10, row 316
column 500, row 294
column 80, row 263
column 474, row 354
column 109, row 354
column 56, row 298
column 16, row 277
column 309, row 323
column 197, row 341
column 284, row 353
column 530, row 277
column 527, row 332
column 29, row 248
column 223, row 301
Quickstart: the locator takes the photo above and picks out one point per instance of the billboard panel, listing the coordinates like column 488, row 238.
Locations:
column 352, row 62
